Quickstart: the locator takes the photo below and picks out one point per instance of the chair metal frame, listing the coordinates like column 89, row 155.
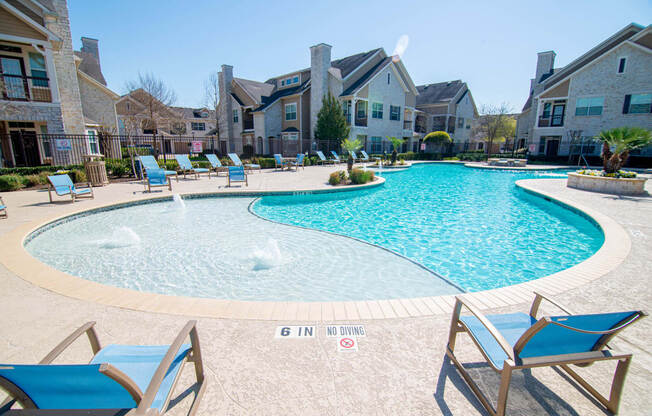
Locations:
column 143, row 399
column 600, row 352
column 73, row 196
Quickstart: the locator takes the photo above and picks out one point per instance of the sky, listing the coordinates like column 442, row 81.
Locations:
column 491, row 45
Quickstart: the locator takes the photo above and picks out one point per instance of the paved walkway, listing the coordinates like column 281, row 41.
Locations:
column 400, row 366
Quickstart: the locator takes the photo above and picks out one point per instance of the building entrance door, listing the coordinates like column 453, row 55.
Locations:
column 24, row 144
column 552, row 147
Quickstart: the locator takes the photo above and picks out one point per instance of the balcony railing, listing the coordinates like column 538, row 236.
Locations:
column 25, row 88
column 248, row 125
column 407, row 125
column 553, row 121
column 361, row 121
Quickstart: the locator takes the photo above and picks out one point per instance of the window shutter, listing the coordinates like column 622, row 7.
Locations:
column 628, row 97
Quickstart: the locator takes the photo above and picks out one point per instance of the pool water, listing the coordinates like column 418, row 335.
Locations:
column 473, row 226
column 429, row 230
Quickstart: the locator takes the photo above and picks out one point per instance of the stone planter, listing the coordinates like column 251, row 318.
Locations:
column 617, row 186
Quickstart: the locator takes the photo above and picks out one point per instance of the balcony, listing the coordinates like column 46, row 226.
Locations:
column 407, row 125
column 25, row 88
column 247, row 124
column 361, row 121
column 553, row 121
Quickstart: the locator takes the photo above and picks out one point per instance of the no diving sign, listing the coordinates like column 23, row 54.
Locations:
column 347, row 344
column 345, row 330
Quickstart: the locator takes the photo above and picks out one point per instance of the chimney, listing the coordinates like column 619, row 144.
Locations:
column 320, row 62
column 89, row 45
column 545, row 63
column 224, row 79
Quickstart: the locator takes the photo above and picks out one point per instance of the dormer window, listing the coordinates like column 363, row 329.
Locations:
column 282, row 83
column 622, row 63
column 295, row 80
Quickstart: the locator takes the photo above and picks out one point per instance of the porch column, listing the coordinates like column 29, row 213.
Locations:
column 52, row 74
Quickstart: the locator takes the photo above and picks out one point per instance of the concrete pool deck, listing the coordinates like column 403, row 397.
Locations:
column 400, row 367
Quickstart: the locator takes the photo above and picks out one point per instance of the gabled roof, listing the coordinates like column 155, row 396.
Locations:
column 267, row 101
column 366, row 77
column 350, row 63
column 90, row 66
column 238, row 100
column 191, row 113
column 255, row 89
column 441, row 92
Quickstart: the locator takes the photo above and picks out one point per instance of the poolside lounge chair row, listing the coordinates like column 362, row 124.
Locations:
column 142, row 378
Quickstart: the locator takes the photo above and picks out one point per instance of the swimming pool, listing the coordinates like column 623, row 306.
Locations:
column 475, row 228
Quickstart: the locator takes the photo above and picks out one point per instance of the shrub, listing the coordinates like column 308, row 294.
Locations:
column 170, row 164
column 35, row 180
column 36, row 169
column 265, row 162
column 337, row 178
column 78, row 175
column 11, row 182
column 118, row 167
column 359, row 176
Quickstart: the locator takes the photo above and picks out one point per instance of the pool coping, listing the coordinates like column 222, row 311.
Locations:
column 15, row 257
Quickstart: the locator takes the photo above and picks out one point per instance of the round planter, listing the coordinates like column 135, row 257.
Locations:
column 617, row 186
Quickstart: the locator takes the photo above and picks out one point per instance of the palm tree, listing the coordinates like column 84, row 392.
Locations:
column 396, row 144
column 350, row 146
column 622, row 140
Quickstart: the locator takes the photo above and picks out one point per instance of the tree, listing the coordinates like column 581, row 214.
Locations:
column 495, row 124
column 154, row 95
column 396, row 144
column 350, row 146
column 212, row 97
column 331, row 123
column 623, row 140
column 440, row 138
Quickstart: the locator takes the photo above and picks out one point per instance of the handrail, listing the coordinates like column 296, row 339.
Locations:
column 87, row 328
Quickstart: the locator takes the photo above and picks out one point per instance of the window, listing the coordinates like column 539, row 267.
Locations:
column 235, row 116
column 92, row 142
column 295, row 80
column 291, row 136
column 622, row 62
column 362, row 109
column 376, row 145
column 394, row 112
column 589, row 106
column 290, row 112
column 37, row 65
column 460, row 122
column 377, row 110
column 546, row 110
column 638, row 104
column 282, row 83
column 388, row 75
column 198, row 126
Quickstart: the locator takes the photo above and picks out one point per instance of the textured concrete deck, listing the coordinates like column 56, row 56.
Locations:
column 400, row 367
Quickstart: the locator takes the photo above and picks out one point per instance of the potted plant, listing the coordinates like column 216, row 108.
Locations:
column 350, row 146
column 617, row 144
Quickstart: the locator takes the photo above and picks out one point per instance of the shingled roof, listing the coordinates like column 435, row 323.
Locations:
column 366, row 77
column 255, row 89
column 440, row 92
column 267, row 101
column 90, row 66
column 350, row 63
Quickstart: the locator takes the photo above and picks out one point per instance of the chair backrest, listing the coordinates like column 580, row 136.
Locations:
column 235, row 159
column 149, row 162
column 364, row 155
column 568, row 334
column 300, row 158
column 156, row 176
column 353, row 155
column 321, row 155
column 335, row 155
column 67, row 386
column 278, row 158
column 62, row 184
column 236, row 173
column 183, row 161
column 214, row 160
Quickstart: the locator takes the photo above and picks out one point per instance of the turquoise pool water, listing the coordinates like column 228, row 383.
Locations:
column 474, row 227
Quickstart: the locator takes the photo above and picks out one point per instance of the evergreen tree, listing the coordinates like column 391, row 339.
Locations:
column 331, row 123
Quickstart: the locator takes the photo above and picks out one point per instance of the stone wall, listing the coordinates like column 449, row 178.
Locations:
column 49, row 113
column 97, row 105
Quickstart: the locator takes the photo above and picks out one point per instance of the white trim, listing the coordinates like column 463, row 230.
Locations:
column 28, row 41
column 372, row 110
column 636, row 45
column 411, row 85
column 49, row 35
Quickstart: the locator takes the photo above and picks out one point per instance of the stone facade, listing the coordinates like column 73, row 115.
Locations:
column 98, row 105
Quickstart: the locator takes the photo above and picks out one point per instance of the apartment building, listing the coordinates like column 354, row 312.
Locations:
column 448, row 106
column 46, row 87
column 376, row 92
column 608, row 86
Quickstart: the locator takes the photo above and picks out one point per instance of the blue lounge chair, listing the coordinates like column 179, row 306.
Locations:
column 237, row 162
column 365, row 157
column 3, row 209
column 518, row 341
column 63, row 185
column 157, row 177
column 148, row 162
column 354, row 156
column 279, row 162
column 215, row 163
column 336, row 157
column 237, row 174
column 119, row 377
column 298, row 162
column 322, row 159
column 185, row 166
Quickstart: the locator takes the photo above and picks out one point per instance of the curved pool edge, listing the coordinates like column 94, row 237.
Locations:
column 15, row 257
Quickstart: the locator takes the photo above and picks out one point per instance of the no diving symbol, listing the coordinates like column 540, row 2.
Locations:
column 347, row 343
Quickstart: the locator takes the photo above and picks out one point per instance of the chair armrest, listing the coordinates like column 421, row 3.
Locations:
column 87, row 328
column 157, row 378
column 84, row 184
column 538, row 297
column 509, row 350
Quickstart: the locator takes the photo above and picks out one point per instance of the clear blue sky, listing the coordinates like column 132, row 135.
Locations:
column 490, row 45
